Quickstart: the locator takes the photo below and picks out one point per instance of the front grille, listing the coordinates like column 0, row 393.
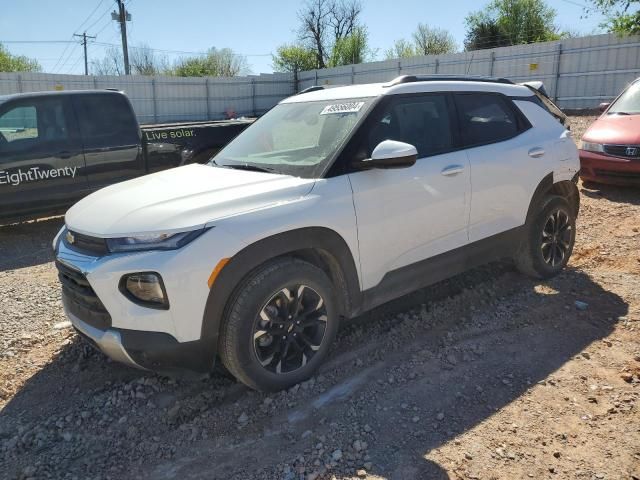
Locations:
column 624, row 151
column 80, row 298
column 85, row 243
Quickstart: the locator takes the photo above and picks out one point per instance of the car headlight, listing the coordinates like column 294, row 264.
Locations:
column 591, row 147
column 153, row 241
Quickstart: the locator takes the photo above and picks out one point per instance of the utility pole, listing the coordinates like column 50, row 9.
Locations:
column 84, row 44
column 122, row 17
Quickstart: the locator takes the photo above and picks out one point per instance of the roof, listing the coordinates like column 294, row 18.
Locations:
column 414, row 85
column 4, row 98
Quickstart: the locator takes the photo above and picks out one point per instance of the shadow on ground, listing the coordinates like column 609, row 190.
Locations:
column 28, row 244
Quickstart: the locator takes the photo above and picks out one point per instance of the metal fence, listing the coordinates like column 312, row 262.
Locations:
column 577, row 72
column 167, row 99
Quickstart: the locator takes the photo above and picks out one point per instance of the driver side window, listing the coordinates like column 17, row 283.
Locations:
column 422, row 121
column 28, row 126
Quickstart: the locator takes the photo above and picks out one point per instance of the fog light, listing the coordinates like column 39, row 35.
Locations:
column 145, row 289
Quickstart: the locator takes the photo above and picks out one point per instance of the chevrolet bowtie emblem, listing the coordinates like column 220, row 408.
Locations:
column 70, row 238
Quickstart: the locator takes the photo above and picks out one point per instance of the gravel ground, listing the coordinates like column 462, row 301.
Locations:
column 489, row 375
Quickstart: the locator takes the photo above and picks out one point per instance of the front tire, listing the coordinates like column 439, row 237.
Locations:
column 548, row 240
column 279, row 325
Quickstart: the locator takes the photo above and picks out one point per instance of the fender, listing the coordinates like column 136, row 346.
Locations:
column 565, row 188
column 322, row 246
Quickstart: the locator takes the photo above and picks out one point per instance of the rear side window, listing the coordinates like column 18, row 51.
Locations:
column 487, row 118
column 106, row 120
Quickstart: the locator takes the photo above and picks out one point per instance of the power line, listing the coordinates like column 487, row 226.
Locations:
column 78, row 28
column 84, row 37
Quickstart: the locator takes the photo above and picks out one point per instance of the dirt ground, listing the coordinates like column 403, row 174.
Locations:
column 489, row 375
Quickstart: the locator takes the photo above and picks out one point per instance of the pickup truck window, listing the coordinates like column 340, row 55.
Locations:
column 30, row 125
column 113, row 126
column 296, row 139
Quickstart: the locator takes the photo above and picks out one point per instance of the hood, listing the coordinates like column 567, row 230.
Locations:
column 180, row 199
column 615, row 129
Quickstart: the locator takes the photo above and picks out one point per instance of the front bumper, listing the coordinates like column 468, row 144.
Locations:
column 597, row 167
column 112, row 323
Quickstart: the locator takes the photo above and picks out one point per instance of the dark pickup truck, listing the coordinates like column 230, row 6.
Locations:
column 56, row 147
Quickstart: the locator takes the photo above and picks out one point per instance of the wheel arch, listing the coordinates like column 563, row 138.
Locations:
column 563, row 188
column 320, row 246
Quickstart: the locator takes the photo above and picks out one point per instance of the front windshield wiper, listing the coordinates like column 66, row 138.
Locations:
column 245, row 166
column 619, row 113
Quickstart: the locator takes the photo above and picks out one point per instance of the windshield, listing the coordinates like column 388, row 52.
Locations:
column 627, row 103
column 298, row 139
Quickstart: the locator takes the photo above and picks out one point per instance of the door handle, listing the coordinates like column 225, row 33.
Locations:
column 63, row 155
column 452, row 170
column 536, row 152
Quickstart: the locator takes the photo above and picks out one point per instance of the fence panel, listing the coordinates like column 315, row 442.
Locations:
column 577, row 72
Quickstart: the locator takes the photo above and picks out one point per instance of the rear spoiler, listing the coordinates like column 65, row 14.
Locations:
column 537, row 86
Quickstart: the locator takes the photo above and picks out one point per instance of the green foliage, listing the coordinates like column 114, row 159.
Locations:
column 294, row 58
column 511, row 22
column 425, row 41
column 433, row 41
column 621, row 18
column 16, row 63
column 216, row 63
column 350, row 49
column 401, row 49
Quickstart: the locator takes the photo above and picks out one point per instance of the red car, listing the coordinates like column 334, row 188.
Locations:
column 610, row 148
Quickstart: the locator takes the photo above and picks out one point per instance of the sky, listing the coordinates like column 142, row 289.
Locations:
column 250, row 27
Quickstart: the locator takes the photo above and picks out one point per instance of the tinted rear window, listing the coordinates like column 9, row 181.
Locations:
column 486, row 118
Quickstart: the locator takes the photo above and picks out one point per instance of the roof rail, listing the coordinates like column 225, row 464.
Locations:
column 444, row 77
column 312, row 88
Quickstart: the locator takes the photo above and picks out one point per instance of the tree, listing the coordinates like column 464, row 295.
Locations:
column 326, row 22
column 432, row 41
column 144, row 61
column 111, row 64
column 293, row 58
column 351, row 49
column 16, row 63
column 511, row 22
column 620, row 16
column 484, row 33
column 401, row 49
column 216, row 63
column 425, row 41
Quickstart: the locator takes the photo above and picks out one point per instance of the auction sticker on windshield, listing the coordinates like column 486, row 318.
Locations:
column 349, row 107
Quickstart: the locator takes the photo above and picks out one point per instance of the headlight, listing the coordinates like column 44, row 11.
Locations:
column 154, row 241
column 146, row 289
column 591, row 147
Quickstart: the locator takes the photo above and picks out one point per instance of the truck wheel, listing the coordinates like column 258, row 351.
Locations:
column 548, row 240
column 279, row 325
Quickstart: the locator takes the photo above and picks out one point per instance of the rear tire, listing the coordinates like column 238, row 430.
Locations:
column 548, row 240
column 279, row 325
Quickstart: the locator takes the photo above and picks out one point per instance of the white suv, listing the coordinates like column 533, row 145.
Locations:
column 335, row 201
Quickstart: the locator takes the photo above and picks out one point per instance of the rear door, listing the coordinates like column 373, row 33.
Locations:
column 502, row 149
column 41, row 162
column 111, row 138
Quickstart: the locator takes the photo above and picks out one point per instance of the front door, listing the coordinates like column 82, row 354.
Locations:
column 41, row 160
column 411, row 214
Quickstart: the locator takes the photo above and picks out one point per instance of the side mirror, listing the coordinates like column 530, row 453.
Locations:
column 391, row 154
column 603, row 106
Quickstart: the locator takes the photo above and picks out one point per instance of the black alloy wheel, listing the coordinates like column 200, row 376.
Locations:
column 290, row 328
column 556, row 238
